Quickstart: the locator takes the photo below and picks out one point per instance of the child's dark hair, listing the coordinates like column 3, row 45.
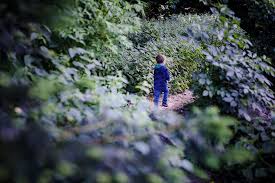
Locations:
column 160, row 58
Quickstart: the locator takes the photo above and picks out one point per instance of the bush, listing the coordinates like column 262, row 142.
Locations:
column 111, row 149
column 257, row 17
column 163, row 36
column 234, row 77
column 258, row 137
column 208, row 140
column 64, row 118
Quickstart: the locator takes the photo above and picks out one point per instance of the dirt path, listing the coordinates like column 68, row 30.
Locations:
column 176, row 102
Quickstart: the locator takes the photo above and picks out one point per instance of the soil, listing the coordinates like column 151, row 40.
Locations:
column 176, row 102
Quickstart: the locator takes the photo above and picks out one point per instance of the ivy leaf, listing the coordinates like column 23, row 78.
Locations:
column 45, row 52
column 233, row 104
column 34, row 36
column 208, row 81
column 202, row 81
column 76, row 51
column 245, row 91
column 142, row 147
column 187, row 165
column 228, row 99
column 246, row 116
column 230, row 73
column 205, row 93
column 28, row 60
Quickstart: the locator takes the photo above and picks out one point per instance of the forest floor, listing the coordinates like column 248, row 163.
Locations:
column 179, row 103
column 176, row 102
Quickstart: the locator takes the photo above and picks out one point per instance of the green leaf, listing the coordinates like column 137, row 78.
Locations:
column 205, row 93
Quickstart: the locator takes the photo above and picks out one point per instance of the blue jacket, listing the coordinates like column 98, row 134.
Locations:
column 161, row 77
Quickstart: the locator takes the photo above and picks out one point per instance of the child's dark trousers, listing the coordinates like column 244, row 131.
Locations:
column 158, row 92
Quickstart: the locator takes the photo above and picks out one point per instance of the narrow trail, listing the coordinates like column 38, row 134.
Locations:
column 176, row 102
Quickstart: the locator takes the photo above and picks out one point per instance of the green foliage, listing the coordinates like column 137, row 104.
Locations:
column 208, row 137
column 44, row 89
column 109, row 149
column 163, row 37
column 102, row 24
column 165, row 8
column 257, row 137
column 263, row 12
column 65, row 89
column 33, row 11
column 257, row 18
column 233, row 76
column 75, row 107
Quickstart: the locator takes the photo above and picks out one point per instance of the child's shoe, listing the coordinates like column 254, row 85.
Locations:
column 164, row 105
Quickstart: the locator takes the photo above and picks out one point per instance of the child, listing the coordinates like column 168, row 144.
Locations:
column 161, row 78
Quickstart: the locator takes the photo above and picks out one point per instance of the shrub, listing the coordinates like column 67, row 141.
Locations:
column 111, row 149
column 258, row 138
column 233, row 76
column 257, row 19
column 163, row 36
column 62, row 121
column 208, row 140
